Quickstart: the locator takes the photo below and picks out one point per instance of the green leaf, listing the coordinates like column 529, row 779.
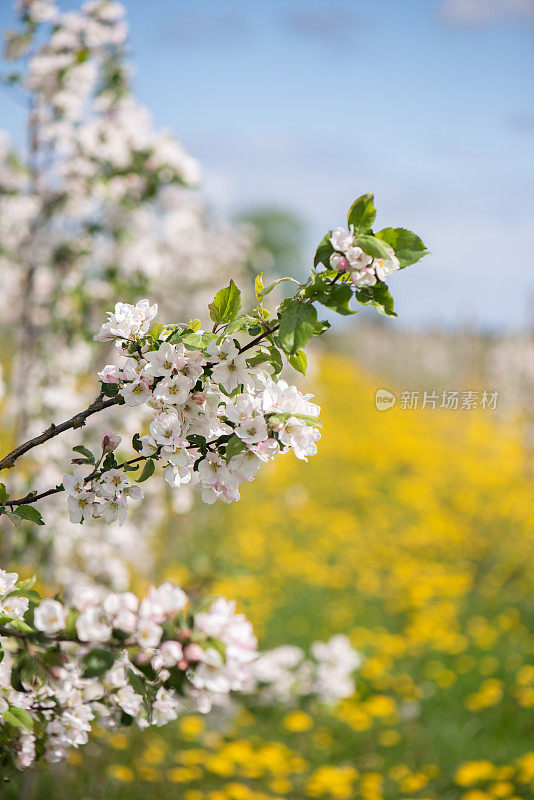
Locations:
column 20, row 626
column 23, row 671
column 191, row 339
column 137, row 444
column 238, row 324
column 30, row 513
column 136, row 682
column 110, row 389
column 156, row 329
column 407, row 245
column 97, row 662
column 270, row 286
column 84, row 452
column 321, row 326
column 148, row 471
column 226, row 304
column 194, row 325
column 18, row 718
column 110, row 462
column 31, row 594
column 297, row 323
column 313, row 422
column 373, row 246
column 276, row 359
column 362, row 213
column 336, row 296
column 15, row 519
column 271, row 355
column 258, row 286
column 324, row 251
column 299, row 361
column 234, row 446
column 378, row 296
column 29, row 583
column 3, row 494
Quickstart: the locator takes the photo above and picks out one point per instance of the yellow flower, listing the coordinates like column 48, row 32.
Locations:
column 220, row 765
column 280, row 785
column 191, row 727
column 121, row 773
column 413, row 783
column 380, row 705
column 489, row 694
column 389, row 737
column 525, row 765
column 476, row 794
column 193, row 794
column 238, row 791
column 184, row 774
column 474, row 771
column 501, row 789
column 297, row 721
column 118, row 740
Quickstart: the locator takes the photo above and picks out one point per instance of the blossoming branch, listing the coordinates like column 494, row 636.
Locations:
column 217, row 409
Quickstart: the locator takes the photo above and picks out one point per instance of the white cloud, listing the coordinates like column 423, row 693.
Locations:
column 482, row 12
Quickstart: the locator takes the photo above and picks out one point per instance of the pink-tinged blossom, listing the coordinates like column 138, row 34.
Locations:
column 342, row 239
column 136, row 392
column 173, row 390
column 81, row 506
column 339, row 262
column 75, row 485
column 110, row 441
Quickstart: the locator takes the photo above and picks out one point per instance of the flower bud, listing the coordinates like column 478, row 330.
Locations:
column 339, row 262
column 276, row 424
column 184, row 635
column 199, row 398
column 110, row 441
column 194, row 652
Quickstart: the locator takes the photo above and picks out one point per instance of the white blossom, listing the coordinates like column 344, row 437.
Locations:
column 50, row 616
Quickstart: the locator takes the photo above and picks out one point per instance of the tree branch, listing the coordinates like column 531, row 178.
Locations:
column 30, row 637
column 258, row 339
column 77, row 421
column 32, row 497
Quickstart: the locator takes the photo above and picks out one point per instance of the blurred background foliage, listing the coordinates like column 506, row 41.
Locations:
column 411, row 531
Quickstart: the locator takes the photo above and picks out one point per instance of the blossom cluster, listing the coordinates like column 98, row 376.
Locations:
column 217, row 414
column 105, row 495
column 111, row 659
column 284, row 673
column 364, row 269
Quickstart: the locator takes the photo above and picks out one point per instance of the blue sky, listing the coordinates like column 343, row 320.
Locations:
column 428, row 103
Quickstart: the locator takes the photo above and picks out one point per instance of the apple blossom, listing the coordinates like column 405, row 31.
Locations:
column 50, row 616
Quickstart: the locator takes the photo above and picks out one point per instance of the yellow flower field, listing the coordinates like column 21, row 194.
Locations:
column 411, row 531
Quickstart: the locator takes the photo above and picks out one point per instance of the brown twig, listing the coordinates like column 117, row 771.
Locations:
column 77, row 421
column 258, row 339
column 29, row 637
column 32, row 497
